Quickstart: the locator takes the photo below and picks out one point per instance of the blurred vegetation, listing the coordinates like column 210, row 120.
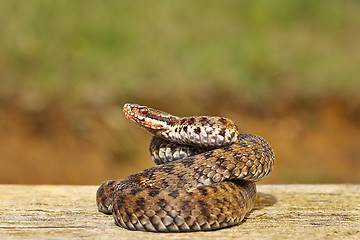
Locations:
column 240, row 59
column 153, row 47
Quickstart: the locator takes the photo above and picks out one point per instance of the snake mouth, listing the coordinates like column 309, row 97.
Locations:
column 143, row 116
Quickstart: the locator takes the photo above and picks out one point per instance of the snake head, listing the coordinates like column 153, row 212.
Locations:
column 152, row 120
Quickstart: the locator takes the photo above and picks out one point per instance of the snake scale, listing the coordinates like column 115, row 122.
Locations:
column 205, row 179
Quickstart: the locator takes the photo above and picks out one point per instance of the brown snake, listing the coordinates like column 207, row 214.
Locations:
column 205, row 179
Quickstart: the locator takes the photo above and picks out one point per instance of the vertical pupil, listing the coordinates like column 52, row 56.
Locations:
column 143, row 111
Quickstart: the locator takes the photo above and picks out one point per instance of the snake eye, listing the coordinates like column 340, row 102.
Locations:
column 144, row 111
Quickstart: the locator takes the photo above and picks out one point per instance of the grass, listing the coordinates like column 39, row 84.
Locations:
column 131, row 48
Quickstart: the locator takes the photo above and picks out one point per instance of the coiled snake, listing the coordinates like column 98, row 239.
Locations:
column 205, row 179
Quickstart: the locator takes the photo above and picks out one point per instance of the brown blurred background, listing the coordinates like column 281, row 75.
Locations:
column 286, row 70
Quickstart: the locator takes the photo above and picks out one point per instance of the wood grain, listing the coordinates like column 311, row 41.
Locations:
column 284, row 211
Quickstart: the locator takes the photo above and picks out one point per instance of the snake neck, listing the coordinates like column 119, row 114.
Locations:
column 203, row 131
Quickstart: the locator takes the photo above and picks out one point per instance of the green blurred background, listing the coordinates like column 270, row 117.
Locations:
column 286, row 70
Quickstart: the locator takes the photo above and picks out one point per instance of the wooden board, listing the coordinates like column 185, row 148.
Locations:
column 284, row 212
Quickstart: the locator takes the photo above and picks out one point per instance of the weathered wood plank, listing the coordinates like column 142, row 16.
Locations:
column 284, row 211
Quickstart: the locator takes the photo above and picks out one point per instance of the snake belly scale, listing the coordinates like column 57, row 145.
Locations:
column 205, row 179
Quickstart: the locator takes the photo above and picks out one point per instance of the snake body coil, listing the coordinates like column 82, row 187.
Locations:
column 205, row 179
